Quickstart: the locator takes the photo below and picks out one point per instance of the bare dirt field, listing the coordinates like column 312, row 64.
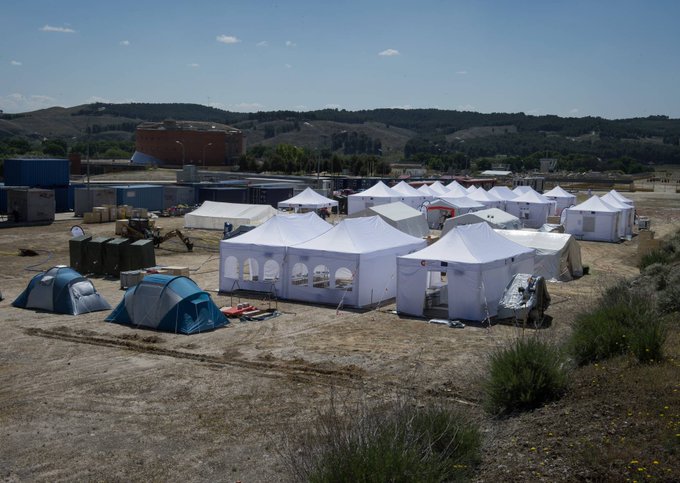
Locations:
column 84, row 399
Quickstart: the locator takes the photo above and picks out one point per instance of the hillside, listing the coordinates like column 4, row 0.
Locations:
column 392, row 132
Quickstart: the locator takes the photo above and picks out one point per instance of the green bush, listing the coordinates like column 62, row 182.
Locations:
column 655, row 256
column 624, row 321
column 524, row 376
column 398, row 444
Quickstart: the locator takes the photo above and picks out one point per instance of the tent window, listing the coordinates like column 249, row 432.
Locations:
column 300, row 275
column 251, row 270
column 271, row 271
column 322, row 277
column 231, row 269
column 588, row 224
column 524, row 213
column 344, row 279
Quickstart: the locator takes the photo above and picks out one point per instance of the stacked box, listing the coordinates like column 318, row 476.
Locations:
column 85, row 198
column 77, row 247
column 183, row 271
column 120, row 224
column 92, row 217
column 103, row 213
column 130, row 278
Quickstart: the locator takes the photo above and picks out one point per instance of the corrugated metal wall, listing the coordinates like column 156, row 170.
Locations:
column 45, row 173
column 223, row 195
column 174, row 195
column 141, row 196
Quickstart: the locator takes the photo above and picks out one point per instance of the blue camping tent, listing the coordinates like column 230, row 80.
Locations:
column 168, row 303
column 62, row 290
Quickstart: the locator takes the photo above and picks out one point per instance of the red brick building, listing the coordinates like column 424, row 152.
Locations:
column 189, row 142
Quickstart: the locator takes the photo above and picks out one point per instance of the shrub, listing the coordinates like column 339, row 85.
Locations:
column 524, row 376
column 668, row 300
column 398, row 443
column 661, row 256
column 623, row 321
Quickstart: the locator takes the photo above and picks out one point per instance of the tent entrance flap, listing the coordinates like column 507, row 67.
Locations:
column 436, row 302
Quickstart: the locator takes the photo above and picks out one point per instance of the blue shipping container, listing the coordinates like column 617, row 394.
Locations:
column 141, row 196
column 223, row 195
column 61, row 199
column 43, row 173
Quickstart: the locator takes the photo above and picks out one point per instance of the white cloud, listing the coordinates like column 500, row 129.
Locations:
column 389, row 53
column 15, row 62
column 290, row 43
column 466, row 107
column 20, row 103
column 227, row 39
column 288, row 66
column 264, row 43
column 301, row 107
column 124, row 43
column 332, row 106
column 194, row 65
column 63, row 30
column 462, row 72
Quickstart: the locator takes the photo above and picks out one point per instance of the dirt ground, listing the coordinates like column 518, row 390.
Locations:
column 84, row 399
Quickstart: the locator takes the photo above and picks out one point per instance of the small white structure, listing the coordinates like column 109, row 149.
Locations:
column 480, row 195
column 438, row 188
column 520, row 190
column 378, row 194
column 456, row 192
column 255, row 260
column 399, row 215
column 454, row 184
column 493, row 217
column 466, row 272
column 426, row 191
column 531, row 208
column 212, row 215
column 412, row 196
column 563, row 199
column 592, row 220
column 558, row 255
column 354, row 264
column 308, row 200
column 622, row 198
column 443, row 208
column 627, row 218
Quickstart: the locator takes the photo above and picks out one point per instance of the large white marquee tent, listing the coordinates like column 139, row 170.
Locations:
column 478, row 264
column 592, row 220
column 354, row 264
column 256, row 260
column 308, row 200
column 378, row 194
column 627, row 218
column 558, row 255
column 212, row 215
column 480, row 195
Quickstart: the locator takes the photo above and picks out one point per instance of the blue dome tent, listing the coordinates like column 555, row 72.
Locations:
column 169, row 303
column 62, row 290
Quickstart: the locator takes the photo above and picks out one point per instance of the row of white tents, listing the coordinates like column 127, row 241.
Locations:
column 363, row 261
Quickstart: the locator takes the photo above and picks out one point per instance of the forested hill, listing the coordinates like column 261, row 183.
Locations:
column 399, row 133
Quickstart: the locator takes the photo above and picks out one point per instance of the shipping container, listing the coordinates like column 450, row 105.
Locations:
column 85, row 199
column 141, row 196
column 30, row 204
column 61, row 204
column 174, row 195
column 224, row 195
column 42, row 173
column 270, row 194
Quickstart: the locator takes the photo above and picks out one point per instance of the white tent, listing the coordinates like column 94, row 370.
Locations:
column 438, row 188
column 454, row 184
column 425, row 190
column 627, row 218
column 622, row 198
column 476, row 264
column 444, row 207
column 558, row 255
column 456, row 191
column 494, row 217
column 412, row 196
column 378, row 194
column 592, row 220
column 255, row 260
column 212, row 215
column 486, row 199
column 471, row 189
column 520, row 190
column 354, row 264
column 563, row 199
column 308, row 199
column 399, row 215
column 531, row 208
column 503, row 193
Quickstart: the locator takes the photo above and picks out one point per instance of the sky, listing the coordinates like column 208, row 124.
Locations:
column 573, row 58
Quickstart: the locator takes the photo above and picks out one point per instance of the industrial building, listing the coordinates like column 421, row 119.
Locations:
column 178, row 143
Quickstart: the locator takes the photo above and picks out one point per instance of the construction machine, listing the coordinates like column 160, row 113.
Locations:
column 143, row 229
